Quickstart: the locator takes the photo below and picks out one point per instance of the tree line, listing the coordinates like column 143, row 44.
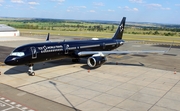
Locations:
column 64, row 25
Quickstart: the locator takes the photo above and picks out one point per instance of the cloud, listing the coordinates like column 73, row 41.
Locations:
column 177, row 5
column 8, row 6
column 98, row 3
column 92, row 11
column 157, row 6
column 136, row 1
column 81, row 6
column 68, row 10
column 129, row 9
column 33, row 3
column 17, row 1
column 135, row 9
column 166, row 8
column 1, row 2
column 59, row 1
column 75, row 8
column 109, row 10
column 154, row 5
column 31, row 7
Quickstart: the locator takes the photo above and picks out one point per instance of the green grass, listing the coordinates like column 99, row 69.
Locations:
column 153, row 38
column 130, row 37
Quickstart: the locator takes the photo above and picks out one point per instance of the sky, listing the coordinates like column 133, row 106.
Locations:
column 156, row 11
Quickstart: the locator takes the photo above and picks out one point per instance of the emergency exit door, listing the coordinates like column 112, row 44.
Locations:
column 34, row 52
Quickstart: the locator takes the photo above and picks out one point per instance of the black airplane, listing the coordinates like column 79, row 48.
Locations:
column 95, row 49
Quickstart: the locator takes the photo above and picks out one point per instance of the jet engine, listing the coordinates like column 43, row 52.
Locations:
column 96, row 61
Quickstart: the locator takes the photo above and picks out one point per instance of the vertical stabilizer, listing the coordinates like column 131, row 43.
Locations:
column 120, row 29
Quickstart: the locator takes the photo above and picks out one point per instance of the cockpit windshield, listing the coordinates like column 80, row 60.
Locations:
column 20, row 51
column 20, row 54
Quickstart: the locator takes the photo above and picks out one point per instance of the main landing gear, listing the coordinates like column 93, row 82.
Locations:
column 31, row 71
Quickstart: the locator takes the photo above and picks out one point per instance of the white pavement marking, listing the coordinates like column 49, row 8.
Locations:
column 12, row 103
column 7, row 105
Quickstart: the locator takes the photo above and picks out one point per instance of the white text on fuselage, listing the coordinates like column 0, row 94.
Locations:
column 47, row 49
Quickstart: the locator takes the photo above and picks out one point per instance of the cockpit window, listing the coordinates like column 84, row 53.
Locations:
column 20, row 54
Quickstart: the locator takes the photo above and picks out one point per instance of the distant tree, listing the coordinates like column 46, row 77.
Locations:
column 77, row 26
column 156, row 33
column 107, row 27
column 112, row 28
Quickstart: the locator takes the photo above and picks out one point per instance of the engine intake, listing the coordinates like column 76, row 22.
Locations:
column 96, row 61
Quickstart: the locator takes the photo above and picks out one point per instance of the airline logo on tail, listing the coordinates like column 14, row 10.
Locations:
column 121, row 27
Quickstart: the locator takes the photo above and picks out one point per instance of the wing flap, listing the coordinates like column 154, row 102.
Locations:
column 86, row 53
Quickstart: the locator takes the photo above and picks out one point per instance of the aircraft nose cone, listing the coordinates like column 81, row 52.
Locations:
column 10, row 61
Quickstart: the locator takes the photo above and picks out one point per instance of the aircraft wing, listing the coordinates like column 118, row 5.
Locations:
column 86, row 53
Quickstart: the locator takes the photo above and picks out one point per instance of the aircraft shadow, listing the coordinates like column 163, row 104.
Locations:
column 85, row 66
column 39, row 66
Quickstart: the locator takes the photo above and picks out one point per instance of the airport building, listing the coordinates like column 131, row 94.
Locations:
column 8, row 31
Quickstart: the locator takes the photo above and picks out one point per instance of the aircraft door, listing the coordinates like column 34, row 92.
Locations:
column 103, row 45
column 66, row 48
column 34, row 52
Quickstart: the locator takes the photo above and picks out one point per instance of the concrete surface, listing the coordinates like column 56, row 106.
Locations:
column 124, row 83
column 12, row 99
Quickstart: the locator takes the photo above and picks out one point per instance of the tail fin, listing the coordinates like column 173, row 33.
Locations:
column 120, row 29
column 47, row 38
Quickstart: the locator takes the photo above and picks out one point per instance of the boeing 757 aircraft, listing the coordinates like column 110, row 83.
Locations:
column 95, row 50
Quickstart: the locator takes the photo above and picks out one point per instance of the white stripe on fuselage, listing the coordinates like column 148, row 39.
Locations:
column 89, row 46
column 110, row 44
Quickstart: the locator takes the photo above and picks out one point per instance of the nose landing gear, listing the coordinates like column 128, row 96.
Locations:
column 31, row 71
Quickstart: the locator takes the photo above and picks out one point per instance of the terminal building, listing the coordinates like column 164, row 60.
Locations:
column 8, row 31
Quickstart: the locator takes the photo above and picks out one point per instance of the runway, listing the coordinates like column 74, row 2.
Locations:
column 123, row 83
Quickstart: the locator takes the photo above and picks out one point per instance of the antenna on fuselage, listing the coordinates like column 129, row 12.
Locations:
column 47, row 38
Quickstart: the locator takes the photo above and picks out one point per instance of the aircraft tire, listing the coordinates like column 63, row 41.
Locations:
column 33, row 74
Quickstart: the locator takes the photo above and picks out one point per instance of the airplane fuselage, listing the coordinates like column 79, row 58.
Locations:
column 45, row 51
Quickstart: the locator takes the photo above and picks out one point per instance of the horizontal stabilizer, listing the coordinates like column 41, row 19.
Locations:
column 47, row 38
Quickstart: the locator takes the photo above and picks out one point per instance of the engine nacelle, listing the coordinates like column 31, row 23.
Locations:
column 96, row 61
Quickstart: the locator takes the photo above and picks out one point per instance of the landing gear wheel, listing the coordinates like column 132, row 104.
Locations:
column 32, row 74
column 75, row 60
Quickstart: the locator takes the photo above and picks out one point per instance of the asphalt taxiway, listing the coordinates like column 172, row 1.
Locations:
column 124, row 83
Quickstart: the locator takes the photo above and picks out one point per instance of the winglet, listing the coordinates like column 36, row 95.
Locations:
column 47, row 38
column 120, row 29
